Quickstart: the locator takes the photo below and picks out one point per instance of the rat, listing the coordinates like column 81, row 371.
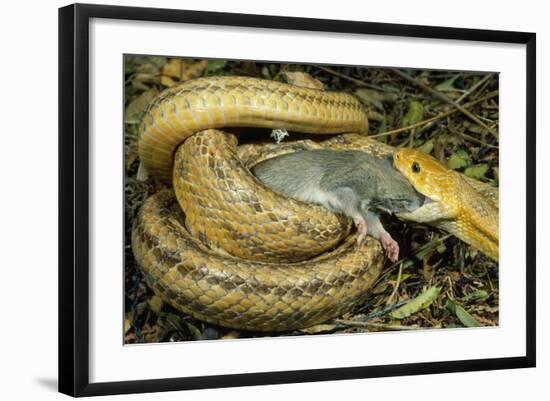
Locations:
column 354, row 183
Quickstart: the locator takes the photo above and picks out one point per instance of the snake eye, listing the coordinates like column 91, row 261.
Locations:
column 415, row 167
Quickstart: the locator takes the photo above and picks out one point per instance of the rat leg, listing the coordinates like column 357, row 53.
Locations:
column 362, row 230
column 377, row 230
column 345, row 200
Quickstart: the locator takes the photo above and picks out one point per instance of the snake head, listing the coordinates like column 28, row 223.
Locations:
column 425, row 173
column 433, row 180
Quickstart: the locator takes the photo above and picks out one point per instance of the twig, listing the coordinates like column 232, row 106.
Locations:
column 487, row 119
column 353, row 323
column 438, row 117
column 411, row 137
column 448, row 278
column 396, row 286
column 472, row 139
column 474, row 87
column 446, row 99
column 383, row 311
column 354, row 80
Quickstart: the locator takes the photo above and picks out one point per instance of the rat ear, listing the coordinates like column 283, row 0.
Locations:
column 365, row 204
column 375, row 205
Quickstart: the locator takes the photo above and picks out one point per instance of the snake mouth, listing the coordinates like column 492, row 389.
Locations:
column 409, row 216
column 418, row 213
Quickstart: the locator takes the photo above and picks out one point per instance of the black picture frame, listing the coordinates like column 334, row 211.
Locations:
column 74, row 198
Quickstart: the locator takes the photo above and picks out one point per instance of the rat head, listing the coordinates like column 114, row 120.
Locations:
column 426, row 174
column 398, row 203
column 392, row 192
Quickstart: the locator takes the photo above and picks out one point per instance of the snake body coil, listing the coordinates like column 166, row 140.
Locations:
column 237, row 254
column 216, row 102
column 244, row 294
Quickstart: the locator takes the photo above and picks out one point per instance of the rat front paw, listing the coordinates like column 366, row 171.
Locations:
column 361, row 230
column 391, row 247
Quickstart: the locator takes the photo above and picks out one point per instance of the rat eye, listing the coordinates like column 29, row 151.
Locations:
column 415, row 167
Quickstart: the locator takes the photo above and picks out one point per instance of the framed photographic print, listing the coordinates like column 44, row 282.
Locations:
column 278, row 199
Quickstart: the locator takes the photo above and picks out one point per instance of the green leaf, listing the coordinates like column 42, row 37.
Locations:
column 447, row 85
column 137, row 106
column 462, row 153
column 474, row 296
column 465, row 318
column 458, row 160
column 129, row 68
column 405, row 276
column 157, row 60
column 456, row 163
column 422, row 301
column 389, row 88
column 366, row 96
column 171, row 321
column 425, row 249
column 414, row 114
column 214, row 66
column 427, row 147
column 194, row 331
column 265, row 72
column 477, row 171
column 380, row 288
column 155, row 304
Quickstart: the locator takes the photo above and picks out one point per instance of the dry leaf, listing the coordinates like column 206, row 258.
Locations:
column 177, row 70
column 231, row 335
column 375, row 116
column 172, row 68
column 138, row 105
column 302, row 79
column 193, row 70
column 132, row 155
column 144, row 78
column 167, row 81
column 127, row 322
column 375, row 98
column 319, row 328
column 428, row 270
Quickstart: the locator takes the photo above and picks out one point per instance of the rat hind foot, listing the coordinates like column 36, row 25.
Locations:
column 390, row 246
column 376, row 229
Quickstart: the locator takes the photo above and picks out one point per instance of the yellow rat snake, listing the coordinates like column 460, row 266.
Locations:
column 228, row 250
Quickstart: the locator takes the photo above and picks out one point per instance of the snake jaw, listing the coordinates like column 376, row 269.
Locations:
column 431, row 212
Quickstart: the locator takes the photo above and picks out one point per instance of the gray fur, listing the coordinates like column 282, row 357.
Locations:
column 341, row 181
